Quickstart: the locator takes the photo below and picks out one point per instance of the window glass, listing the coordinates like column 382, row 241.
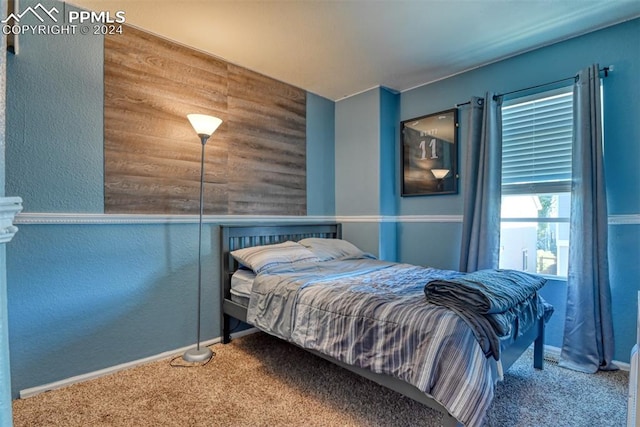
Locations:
column 534, row 233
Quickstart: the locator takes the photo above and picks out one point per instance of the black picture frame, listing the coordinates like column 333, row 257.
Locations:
column 429, row 154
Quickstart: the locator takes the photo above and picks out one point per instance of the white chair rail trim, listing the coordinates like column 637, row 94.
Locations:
column 9, row 208
column 94, row 218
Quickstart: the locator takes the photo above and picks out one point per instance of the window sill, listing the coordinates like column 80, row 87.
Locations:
column 561, row 279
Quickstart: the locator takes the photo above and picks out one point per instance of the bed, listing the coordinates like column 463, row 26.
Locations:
column 298, row 315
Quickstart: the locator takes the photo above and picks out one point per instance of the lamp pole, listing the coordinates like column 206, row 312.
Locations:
column 204, row 126
column 199, row 354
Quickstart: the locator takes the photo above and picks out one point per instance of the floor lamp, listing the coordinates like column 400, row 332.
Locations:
column 204, row 126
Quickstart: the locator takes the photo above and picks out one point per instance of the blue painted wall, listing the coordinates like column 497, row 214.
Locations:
column 55, row 121
column 366, row 132
column 389, row 136
column 320, row 156
column 86, row 297
column 389, row 154
column 438, row 243
column 358, row 154
column 357, row 166
column 5, row 370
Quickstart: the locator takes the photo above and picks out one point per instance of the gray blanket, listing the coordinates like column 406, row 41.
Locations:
column 492, row 303
column 485, row 291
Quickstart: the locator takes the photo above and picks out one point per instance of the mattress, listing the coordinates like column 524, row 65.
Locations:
column 241, row 284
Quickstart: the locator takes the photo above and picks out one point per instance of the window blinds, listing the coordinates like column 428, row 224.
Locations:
column 536, row 144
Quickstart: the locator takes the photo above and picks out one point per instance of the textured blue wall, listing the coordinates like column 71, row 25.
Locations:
column 86, row 297
column 366, row 140
column 5, row 372
column 358, row 154
column 357, row 166
column 54, row 121
column 321, row 188
column 389, row 135
column 389, row 154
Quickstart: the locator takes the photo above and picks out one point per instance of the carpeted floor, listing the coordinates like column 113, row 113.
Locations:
column 261, row 381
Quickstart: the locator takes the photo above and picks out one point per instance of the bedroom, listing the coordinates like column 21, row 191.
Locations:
column 61, row 298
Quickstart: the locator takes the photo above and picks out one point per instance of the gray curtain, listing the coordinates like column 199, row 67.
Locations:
column 588, row 331
column 481, row 185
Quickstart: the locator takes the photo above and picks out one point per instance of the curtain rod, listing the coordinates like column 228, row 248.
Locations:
column 606, row 74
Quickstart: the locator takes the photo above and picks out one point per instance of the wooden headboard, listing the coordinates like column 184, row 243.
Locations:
column 234, row 237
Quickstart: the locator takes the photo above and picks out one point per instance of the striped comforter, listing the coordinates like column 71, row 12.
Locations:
column 373, row 314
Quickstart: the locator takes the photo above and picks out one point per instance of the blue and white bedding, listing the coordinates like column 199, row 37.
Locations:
column 374, row 314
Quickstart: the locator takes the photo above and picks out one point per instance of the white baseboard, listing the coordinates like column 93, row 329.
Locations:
column 29, row 392
column 554, row 353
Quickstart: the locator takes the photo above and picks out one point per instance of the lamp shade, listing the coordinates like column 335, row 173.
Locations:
column 440, row 173
column 203, row 124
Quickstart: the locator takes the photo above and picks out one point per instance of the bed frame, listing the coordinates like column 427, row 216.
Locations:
column 240, row 236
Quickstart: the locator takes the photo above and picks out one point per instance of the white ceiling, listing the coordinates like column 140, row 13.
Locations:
column 337, row 48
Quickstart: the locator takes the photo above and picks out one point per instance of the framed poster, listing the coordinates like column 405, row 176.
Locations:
column 429, row 155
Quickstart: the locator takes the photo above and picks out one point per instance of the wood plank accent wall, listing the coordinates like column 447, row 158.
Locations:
column 255, row 163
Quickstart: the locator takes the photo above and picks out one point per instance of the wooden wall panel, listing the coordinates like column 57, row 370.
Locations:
column 269, row 120
column 255, row 162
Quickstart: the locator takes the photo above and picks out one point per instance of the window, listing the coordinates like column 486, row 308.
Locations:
column 536, row 182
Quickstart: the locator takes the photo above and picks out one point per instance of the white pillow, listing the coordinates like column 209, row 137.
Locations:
column 328, row 249
column 260, row 258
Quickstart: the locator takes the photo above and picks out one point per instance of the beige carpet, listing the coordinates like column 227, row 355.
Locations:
column 261, row 381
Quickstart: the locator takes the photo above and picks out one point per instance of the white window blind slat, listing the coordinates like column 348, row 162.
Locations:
column 536, row 140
